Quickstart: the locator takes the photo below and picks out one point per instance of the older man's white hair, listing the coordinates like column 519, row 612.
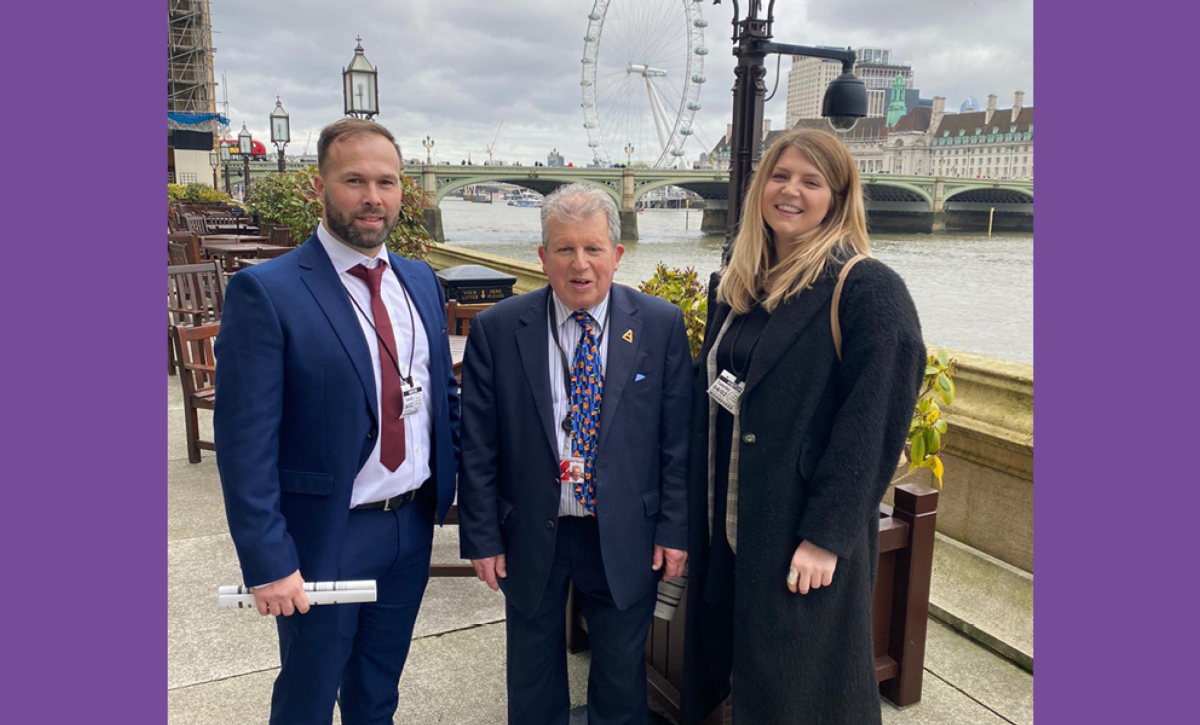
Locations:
column 576, row 203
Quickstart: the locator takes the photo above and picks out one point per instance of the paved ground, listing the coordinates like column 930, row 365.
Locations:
column 220, row 665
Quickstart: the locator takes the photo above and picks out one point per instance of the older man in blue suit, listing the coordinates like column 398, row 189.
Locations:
column 575, row 418
column 337, row 435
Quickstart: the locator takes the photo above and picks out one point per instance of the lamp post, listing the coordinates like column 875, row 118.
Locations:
column 245, row 148
column 225, row 166
column 427, row 142
column 360, row 85
column 281, row 131
column 628, row 154
column 212, row 161
column 845, row 98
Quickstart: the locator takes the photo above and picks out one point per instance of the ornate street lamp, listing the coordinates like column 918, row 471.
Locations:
column 213, row 159
column 845, row 98
column 225, row 165
column 360, row 85
column 628, row 153
column 428, row 144
column 245, row 148
column 281, row 130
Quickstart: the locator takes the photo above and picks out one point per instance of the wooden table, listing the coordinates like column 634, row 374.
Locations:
column 207, row 239
column 231, row 252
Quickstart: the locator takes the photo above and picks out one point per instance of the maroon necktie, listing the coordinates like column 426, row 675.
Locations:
column 391, row 428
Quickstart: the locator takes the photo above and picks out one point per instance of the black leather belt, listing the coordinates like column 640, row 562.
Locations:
column 394, row 502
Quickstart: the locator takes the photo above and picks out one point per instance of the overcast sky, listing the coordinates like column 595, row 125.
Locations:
column 454, row 69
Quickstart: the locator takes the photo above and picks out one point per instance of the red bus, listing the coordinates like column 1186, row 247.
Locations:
column 259, row 149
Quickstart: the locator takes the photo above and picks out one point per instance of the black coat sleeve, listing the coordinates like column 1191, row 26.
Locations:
column 479, row 474
column 673, row 439
column 878, row 379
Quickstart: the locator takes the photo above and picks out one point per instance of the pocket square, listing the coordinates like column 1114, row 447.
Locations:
column 638, row 377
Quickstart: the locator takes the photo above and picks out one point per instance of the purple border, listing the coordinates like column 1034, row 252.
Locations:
column 1115, row 618
column 84, row 487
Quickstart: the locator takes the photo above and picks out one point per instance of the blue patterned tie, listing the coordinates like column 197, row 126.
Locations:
column 587, row 386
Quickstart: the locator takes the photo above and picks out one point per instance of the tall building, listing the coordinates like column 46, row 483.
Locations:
column 192, row 117
column 807, row 80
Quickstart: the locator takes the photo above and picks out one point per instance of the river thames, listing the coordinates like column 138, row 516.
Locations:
column 972, row 293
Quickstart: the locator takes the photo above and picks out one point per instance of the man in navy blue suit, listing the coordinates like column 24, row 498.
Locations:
column 575, row 420
column 337, row 435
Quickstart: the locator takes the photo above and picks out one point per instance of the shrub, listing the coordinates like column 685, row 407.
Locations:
column 194, row 193
column 291, row 199
column 681, row 287
column 927, row 427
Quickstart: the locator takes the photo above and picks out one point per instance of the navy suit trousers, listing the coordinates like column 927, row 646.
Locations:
column 537, row 659
column 355, row 653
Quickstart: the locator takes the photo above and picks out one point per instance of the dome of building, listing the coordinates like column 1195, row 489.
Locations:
column 969, row 106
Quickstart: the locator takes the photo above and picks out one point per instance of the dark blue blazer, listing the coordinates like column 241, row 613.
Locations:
column 297, row 414
column 509, row 487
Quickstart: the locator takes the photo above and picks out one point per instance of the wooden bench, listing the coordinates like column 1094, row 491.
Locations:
column 195, row 296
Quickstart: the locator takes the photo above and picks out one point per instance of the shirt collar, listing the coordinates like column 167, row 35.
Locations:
column 345, row 257
column 562, row 313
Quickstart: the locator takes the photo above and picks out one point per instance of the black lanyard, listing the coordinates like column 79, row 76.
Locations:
column 566, row 424
column 412, row 347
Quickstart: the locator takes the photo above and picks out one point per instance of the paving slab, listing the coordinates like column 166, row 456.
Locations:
column 941, row 704
column 195, row 505
column 992, row 681
column 204, row 643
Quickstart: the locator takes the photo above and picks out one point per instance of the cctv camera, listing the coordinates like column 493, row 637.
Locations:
column 842, row 124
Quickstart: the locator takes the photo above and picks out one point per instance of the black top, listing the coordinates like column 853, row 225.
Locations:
column 733, row 354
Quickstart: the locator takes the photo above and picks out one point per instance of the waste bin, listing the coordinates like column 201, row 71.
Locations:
column 474, row 283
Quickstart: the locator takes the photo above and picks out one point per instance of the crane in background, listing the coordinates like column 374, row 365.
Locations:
column 492, row 145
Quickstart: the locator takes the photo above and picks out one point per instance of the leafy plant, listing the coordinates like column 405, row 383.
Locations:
column 194, row 193
column 927, row 427
column 292, row 199
column 682, row 287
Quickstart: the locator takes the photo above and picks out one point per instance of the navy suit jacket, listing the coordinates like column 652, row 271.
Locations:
column 297, row 414
column 509, row 487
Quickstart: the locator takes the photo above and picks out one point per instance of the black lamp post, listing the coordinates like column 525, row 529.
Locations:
column 845, row 98
column 225, row 166
column 212, row 161
column 245, row 148
column 281, row 131
column 360, row 86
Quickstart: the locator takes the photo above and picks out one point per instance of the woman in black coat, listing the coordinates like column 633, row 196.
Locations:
column 785, row 486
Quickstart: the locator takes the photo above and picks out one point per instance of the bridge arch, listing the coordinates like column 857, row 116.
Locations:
column 989, row 194
column 877, row 189
column 543, row 184
column 705, row 189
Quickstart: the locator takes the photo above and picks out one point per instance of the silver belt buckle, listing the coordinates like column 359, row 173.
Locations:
column 387, row 504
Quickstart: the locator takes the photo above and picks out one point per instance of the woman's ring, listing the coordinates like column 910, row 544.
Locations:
column 793, row 577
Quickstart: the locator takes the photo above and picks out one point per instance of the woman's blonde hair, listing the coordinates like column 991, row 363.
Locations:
column 844, row 228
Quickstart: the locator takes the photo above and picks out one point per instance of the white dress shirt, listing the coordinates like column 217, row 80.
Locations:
column 569, row 333
column 375, row 482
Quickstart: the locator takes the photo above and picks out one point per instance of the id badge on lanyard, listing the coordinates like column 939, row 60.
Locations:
column 727, row 391
column 413, row 398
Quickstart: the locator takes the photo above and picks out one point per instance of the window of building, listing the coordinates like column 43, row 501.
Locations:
column 187, row 177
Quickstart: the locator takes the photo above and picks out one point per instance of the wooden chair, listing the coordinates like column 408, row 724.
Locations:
column 191, row 240
column 177, row 254
column 195, row 296
column 280, row 235
column 270, row 253
column 198, row 375
column 195, row 224
column 459, row 316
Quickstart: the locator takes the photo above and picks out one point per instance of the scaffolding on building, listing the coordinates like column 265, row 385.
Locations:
column 190, row 81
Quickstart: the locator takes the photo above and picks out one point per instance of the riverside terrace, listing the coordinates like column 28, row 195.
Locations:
column 979, row 648
column 220, row 664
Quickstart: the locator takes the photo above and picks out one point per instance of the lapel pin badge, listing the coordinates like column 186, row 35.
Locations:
column 628, row 336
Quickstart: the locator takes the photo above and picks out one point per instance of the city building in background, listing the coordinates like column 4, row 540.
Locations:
column 192, row 118
column 718, row 158
column 928, row 141
column 807, row 80
column 554, row 158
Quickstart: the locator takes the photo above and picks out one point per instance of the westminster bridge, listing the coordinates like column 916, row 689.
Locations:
column 895, row 203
